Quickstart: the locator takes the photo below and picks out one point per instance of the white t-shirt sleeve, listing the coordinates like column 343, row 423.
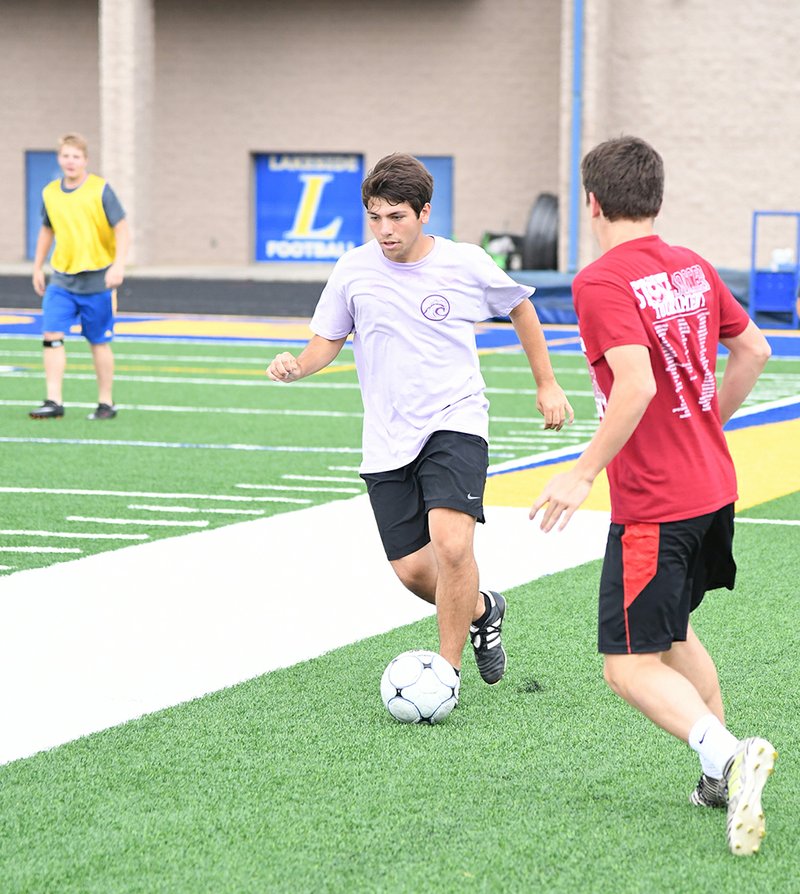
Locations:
column 501, row 293
column 332, row 318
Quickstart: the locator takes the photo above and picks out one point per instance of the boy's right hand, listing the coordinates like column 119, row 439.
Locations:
column 39, row 282
column 284, row 368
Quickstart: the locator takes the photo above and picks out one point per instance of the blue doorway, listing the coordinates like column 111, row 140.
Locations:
column 40, row 169
column 441, row 219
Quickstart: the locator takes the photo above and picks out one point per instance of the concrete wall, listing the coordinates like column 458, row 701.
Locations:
column 715, row 87
column 49, row 84
column 476, row 79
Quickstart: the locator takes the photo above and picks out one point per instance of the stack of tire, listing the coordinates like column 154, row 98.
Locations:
column 540, row 242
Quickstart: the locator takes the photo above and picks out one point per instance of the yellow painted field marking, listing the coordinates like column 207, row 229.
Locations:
column 14, row 320
column 522, row 488
column 766, row 463
column 215, row 328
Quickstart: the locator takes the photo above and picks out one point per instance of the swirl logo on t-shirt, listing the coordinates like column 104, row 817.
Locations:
column 435, row 307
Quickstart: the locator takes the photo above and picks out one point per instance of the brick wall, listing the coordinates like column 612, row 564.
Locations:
column 714, row 86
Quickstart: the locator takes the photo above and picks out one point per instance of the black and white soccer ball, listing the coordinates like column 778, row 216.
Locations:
column 419, row 687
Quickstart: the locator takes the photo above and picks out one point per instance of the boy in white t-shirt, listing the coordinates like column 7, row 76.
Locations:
column 411, row 301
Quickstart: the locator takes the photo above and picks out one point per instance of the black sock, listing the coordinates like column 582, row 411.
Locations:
column 485, row 616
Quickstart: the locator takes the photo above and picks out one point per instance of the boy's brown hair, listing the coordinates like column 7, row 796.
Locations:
column 398, row 178
column 76, row 140
column 626, row 176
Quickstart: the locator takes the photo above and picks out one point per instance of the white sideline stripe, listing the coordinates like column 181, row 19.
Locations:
column 539, row 458
column 139, row 507
column 179, row 622
column 146, row 522
column 107, row 442
column 342, row 468
column 308, row 490
column 148, row 495
column 771, row 405
column 767, row 521
column 72, row 536
column 40, row 549
column 6, row 567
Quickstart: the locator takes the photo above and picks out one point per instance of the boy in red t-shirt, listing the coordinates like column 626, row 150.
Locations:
column 651, row 316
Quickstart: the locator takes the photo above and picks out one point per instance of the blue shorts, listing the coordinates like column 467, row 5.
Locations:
column 61, row 309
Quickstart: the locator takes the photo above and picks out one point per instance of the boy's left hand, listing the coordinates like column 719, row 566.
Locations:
column 552, row 403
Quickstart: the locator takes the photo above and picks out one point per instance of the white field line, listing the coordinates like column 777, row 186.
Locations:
column 321, row 478
column 544, row 439
column 574, row 450
column 342, row 468
column 533, row 419
column 156, row 358
column 308, row 490
column 10, row 532
column 536, row 422
column 6, row 567
column 148, row 495
column 140, row 507
column 40, row 549
column 538, row 458
column 232, row 411
column 524, row 369
column 260, row 383
column 152, row 522
column 97, row 442
column 770, row 405
column 767, row 521
column 122, row 357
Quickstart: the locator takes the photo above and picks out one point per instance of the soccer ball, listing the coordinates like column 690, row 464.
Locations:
column 419, row 687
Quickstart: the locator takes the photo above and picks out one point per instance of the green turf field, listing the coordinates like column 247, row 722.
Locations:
column 200, row 420
column 299, row 781
column 196, row 423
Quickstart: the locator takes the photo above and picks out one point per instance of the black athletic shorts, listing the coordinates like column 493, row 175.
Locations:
column 654, row 575
column 449, row 472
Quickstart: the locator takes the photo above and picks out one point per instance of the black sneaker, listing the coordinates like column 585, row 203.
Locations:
column 709, row 792
column 48, row 410
column 490, row 656
column 103, row 411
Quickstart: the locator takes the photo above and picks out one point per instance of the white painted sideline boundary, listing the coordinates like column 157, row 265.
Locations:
column 96, row 642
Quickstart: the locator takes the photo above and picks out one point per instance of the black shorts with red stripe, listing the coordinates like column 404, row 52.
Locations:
column 655, row 574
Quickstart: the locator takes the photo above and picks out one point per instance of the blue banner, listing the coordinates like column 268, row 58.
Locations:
column 307, row 206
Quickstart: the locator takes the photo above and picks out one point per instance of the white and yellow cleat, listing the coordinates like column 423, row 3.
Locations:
column 747, row 773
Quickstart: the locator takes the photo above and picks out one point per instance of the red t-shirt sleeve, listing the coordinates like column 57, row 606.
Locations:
column 608, row 317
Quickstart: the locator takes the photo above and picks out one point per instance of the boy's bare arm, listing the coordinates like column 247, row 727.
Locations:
column 551, row 401
column 316, row 355
column 749, row 352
